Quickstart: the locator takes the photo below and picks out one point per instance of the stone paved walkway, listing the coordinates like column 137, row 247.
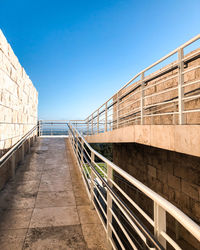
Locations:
column 47, row 207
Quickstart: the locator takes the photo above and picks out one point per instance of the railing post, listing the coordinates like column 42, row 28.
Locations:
column 73, row 140
column 142, row 99
column 180, row 86
column 29, row 144
column 38, row 128
column 159, row 223
column 109, row 207
column 97, row 121
column 88, row 127
column 82, row 145
column 92, row 124
column 117, row 109
column 92, row 176
column 13, row 166
column 106, row 116
column 77, row 147
column 40, row 131
column 22, row 153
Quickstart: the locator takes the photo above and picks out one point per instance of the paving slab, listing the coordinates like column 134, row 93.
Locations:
column 12, row 239
column 55, row 185
column 28, row 187
column 94, row 241
column 15, row 218
column 18, row 201
column 55, row 199
column 54, row 216
column 46, row 206
column 27, row 176
column 62, row 238
column 88, row 215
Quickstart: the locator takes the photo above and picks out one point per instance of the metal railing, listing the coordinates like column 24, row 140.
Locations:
column 11, row 153
column 166, row 96
column 125, row 229
column 56, row 127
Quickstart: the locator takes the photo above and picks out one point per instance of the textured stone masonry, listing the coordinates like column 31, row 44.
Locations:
column 155, row 94
column 175, row 176
column 18, row 98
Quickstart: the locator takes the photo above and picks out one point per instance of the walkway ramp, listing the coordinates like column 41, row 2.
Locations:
column 46, row 206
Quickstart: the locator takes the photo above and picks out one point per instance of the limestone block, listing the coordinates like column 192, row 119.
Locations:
column 3, row 43
column 174, row 182
column 190, row 76
column 6, row 65
column 1, row 60
column 190, row 189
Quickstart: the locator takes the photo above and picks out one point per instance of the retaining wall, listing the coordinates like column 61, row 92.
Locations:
column 18, row 98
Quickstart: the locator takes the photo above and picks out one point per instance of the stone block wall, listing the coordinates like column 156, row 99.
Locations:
column 161, row 86
column 175, row 176
column 18, row 98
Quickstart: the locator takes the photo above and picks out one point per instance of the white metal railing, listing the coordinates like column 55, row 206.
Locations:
column 10, row 155
column 123, row 228
column 167, row 96
column 56, row 127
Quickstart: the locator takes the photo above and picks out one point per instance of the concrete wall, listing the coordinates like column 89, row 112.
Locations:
column 18, row 98
column 173, row 175
column 180, row 138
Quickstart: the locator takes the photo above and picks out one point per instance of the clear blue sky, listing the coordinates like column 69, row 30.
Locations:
column 79, row 53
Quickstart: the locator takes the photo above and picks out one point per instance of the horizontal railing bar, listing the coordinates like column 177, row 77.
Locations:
column 171, row 242
column 190, row 69
column 117, row 237
column 7, row 155
column 100, row 217
column 154, row 64
column 183, row 219
column 134, row 204
column 128, row 211
column 123, row 229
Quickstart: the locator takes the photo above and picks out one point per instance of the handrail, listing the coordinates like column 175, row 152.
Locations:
column 154, row 64
column 56, row 127
column 11, row 151
column 113, row 103
column 182, row 218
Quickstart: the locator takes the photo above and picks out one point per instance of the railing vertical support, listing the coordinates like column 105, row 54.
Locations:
column 88, row 127
column 106, row 116
column 82, row 145
column 97, row 121
column 159, row 223
column 29, row 144
column 92, row 176
column 76, row 138
column 92, row 124
column 142, row 99
column 22, row 153
column 13, row 166
column 38, row 128
column 180, row 86
column 109, row 207
column 117, row 109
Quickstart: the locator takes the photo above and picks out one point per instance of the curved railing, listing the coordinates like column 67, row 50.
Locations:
column 123, row 227
column 167, row 96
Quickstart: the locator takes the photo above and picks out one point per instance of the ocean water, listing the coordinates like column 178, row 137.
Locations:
column 58, row 130
column 54, row 130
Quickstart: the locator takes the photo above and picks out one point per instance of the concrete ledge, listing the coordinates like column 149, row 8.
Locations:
column 180, row 138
